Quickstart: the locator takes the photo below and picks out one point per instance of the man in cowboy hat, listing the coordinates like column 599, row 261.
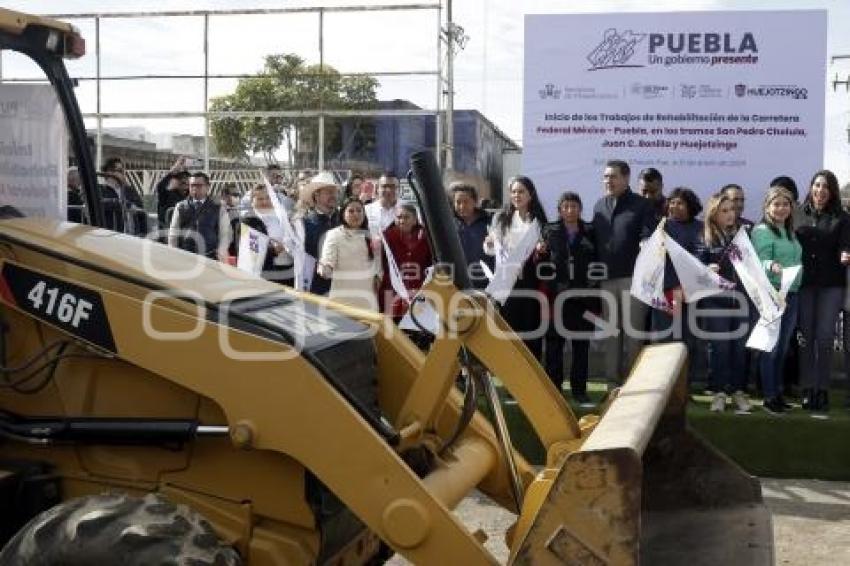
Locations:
column 321, row 193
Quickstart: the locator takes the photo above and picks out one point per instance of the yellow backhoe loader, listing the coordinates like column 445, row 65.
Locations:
column 157, row 407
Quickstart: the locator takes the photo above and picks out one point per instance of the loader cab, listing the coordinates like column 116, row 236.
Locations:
column 41, row 128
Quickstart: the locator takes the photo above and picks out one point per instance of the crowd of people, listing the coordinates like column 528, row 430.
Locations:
column 568, row 279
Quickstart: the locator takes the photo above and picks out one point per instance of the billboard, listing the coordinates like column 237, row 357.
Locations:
column 707, row 98
column 33, row 150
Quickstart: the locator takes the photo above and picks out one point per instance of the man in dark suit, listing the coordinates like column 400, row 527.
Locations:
column 622, row 220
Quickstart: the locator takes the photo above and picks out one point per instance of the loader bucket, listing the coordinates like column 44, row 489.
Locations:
column 643, row 488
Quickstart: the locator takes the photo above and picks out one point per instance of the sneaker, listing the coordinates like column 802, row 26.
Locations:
column 773, row 406
column 718, row 403
column 809, row 402
column 582, row 400
column 742, row 402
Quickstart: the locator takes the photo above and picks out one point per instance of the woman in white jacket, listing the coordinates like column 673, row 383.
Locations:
column 350, row 261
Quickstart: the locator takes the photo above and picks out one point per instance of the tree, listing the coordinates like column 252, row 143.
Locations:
column 286, row 83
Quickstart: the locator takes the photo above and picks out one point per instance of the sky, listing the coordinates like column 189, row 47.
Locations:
column 488, row 72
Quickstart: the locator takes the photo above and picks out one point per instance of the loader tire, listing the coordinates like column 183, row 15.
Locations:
column 112, row 528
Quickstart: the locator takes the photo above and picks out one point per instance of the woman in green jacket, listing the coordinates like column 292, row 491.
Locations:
column 778, row 248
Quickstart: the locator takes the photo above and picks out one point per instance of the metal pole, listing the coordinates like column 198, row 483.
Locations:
column 321, row 160
column 99, row 144
column 438, row 121
column 206, row 92
column 450, row 88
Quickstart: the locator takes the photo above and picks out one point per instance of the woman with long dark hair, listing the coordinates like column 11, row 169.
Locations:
column 349, row 260
column 824, row 233
column 523, row 212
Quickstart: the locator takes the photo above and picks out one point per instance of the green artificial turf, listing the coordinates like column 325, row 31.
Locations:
column 794, row 445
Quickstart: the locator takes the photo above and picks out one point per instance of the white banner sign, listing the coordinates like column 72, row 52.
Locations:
column 33, row 151
column 707, row 98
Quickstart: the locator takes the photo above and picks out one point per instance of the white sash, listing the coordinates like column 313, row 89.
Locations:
column 510, row 263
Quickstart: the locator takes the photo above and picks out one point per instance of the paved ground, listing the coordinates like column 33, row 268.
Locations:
column 811, row 522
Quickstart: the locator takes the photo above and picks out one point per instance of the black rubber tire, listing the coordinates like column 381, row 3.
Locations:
column 117, row 529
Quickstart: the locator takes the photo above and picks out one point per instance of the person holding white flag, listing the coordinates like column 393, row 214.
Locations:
column 514, row 235
column 277, row 265
column 727, row 320
column 683, row 227
column 406, row 257
column 683, row 238
column 778, row 248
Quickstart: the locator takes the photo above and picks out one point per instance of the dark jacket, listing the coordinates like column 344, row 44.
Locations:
column 271, row 272
column 113, row 214
column 718, row 253
column 75, row 205
column 203, row 221
column 166, row 199
column 472, row 242
column 688, row 235
column 619, row 230
column 316, row 225
column 823, row 235
column 570, row 260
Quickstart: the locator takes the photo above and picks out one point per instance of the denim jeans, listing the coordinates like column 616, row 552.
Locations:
column 771, row 362
column 819, row 308
column 727, row 359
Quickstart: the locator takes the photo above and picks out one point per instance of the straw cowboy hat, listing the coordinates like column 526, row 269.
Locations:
column 320, row 181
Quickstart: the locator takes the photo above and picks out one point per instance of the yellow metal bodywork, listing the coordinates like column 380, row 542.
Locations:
column 17, row 22
column 283, row 415
column 291, row 424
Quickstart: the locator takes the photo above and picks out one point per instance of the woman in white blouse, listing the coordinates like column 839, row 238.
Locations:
column 510, row 241
column 350, row 261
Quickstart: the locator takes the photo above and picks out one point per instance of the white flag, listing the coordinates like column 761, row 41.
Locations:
column 648, row 275
column 769, row 302
column 509, row 265
column 750, row 271
column 291, row 240
column 253, row 246
column 395, row 275
column 696, row 279
column 765, row 334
